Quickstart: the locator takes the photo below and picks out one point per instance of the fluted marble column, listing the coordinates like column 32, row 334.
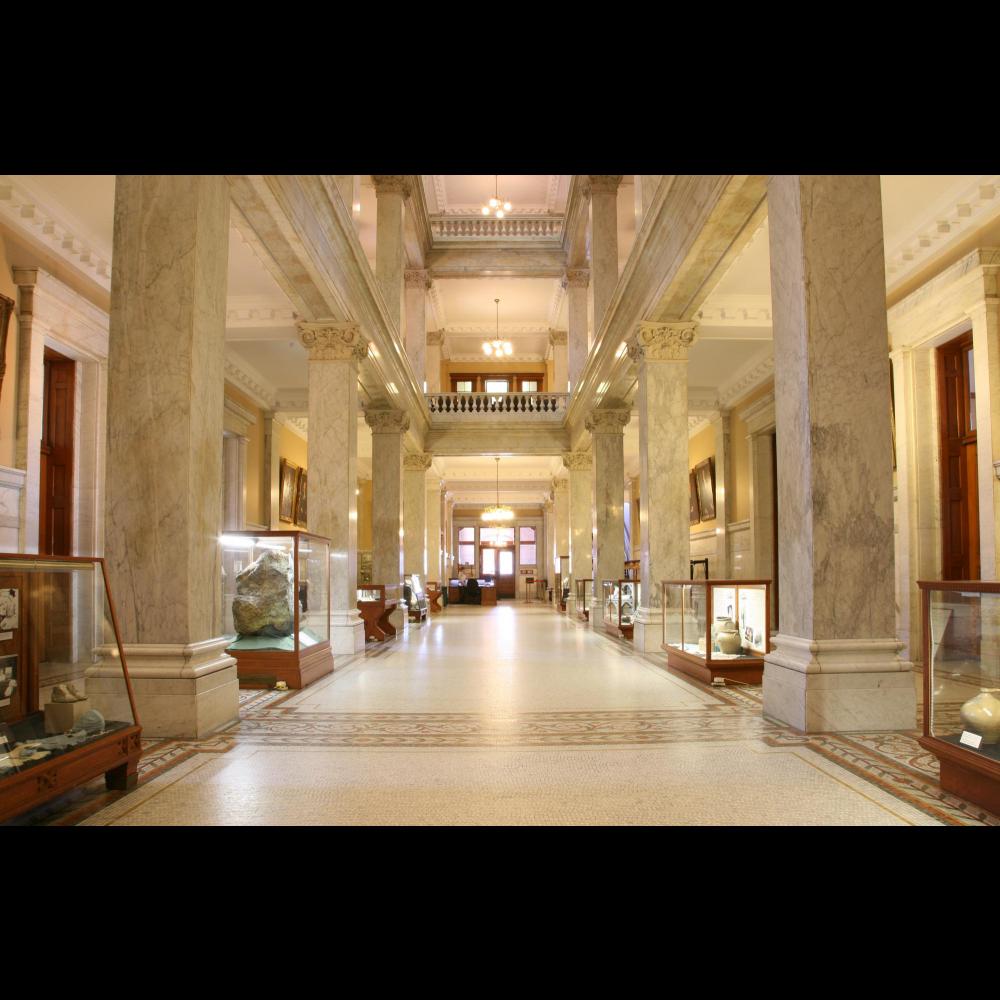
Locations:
column 164, row 459
column 417, row 283
column 835, row 666
column 721, row 424
column 560, row 501
column 432, row 500
column 575, row 282
column 581, row 531
column 603, row 242
column 388, row 428
column 391, row 191
column 660, row 351
column 607, row 428
column 560, row 362
column 415, row 513
column 432, row 362
column 546, row 562
column 335, row 351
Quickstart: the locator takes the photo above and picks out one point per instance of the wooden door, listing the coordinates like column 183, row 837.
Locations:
column 505, row 571
column 959, row 473
column 56, row 472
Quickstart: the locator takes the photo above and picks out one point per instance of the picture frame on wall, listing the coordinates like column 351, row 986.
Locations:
column 301, row 496
column 705, row 476
column 287, row 482
column 695, row 512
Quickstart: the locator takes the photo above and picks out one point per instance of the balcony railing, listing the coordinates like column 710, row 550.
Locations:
column 530, row 406
column 477, row 227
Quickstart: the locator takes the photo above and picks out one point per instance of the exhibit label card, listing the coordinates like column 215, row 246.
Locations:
column 971, row 740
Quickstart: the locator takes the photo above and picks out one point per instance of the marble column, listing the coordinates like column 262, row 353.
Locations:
column 607, row 428
column 603, row 242
column 391, row 191
column 575, row 282
column 432, row 500
column 759, row 420
column 432, row 362
column 660, row 351
column 581, row 531
column 835, row 665
column 645, row 189
column 335, row 352
column 636, row 503
column 30, row 404
column 560, row 500
column 986, row 353
column 388, row 428
column 547, row 563
column 721, row 427
column 417, row 283
column 415, row 513
column 270, row 472
column 560, row 362
column 234, row 470
column 164, row 458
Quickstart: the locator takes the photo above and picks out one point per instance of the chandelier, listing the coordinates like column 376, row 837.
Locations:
column 495, row 206
column 498, row 512
column 497, row 348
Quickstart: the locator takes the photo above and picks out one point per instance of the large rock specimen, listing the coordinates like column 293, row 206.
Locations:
column 263, row 605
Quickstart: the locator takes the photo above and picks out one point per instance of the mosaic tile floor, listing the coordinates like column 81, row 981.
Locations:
column 517, row 715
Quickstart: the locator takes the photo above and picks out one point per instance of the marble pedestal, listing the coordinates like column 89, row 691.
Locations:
column 647, row 633
column 347, row 633
column 838, row 685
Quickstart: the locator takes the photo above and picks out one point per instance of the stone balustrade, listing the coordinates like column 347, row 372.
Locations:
column 532, row 407
column 492, row 228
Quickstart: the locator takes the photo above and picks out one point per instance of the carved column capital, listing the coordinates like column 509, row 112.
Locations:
column 418, row 462
column 548, row 507
column 327, row 340
column 391, row 184
column 662, row 341
column 577, row 461
column 558, row 338
column 607, row 421
column 576, row 277
column 387, row 421
column 417, row 277
column 435, row 338
column 604, row 182
column 560, row 485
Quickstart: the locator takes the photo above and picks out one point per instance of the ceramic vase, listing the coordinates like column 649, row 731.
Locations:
column 982, row 715
column 728, row 638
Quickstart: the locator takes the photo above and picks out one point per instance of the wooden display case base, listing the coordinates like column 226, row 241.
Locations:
column 747, row 671
column 115, row 755
column 262, row 670
column 966, row 774
column 375, row 615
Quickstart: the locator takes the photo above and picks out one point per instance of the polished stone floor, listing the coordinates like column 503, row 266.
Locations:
column 518, row 715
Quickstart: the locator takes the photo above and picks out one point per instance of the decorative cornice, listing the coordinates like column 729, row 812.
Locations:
column 577, row 461
column 736, row 310
column 506, row 329
column 435, row 338
column 251, row 382
column 387, row 421
column 576, row 277
column 745, row 381
column 238, row 417
column 437, row 306
column 558, row 338
column 333, row 341
column 417, row 277
column 391, row 184
column 604, row 182
column 419, row 462
column 255, row 310
column 607, row 421
column 662, row 341
column 555, row 303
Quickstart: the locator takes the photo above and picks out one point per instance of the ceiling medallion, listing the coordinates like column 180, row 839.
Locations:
column 498, row 512
column 497, row 348
column 496, row 205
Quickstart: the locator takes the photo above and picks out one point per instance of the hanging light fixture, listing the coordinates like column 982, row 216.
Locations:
column 496, row 205
column 498, row 512
column 497, row 348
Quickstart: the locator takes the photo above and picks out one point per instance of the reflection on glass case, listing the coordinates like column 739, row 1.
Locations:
column 415, row 598
column 717, row 628
column 67, row 713
column 276, row 606
column 584, row 590
column 619, row 603
column 961, row 639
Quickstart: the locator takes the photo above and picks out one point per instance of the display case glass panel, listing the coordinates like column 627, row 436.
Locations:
column 584, row 591
column 64, row 685
column 620, row 600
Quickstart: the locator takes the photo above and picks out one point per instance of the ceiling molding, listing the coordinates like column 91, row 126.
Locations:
column 552, row 193
column 437, row 306
column 755, row 372
column 299, row 426
column 512, row 359
column 696, row 425
column 257, row 311
column 29, row 215
column 247, row 379
column 506, row 329
column 555, row 304
column 736, row 310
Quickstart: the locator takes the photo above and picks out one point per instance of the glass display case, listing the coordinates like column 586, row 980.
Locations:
column 67, row 712
column 584, row 591
column 375, row 608
column 717, row 628
column 276, row 606
column 620, row 598
column 961, row 725
column 415, row 598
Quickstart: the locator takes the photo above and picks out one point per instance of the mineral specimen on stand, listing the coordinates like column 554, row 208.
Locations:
column 262, row 605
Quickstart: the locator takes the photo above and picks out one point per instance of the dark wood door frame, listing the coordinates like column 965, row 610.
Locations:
column 55, row 505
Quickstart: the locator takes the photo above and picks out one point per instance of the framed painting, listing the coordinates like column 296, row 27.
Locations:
column 705, row 475
column 287, row 482
column 695, row 512
column 300, row 499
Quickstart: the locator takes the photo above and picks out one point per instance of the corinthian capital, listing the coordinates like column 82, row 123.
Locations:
column 419, row 462
column 576, row 277
column 435, row 338
column 387, row 421
column 416, row 277
column 391, row 184
column 557, row 338
column 560, row 486
column 604, row 182
column 577, row 461
column 607, row 421
column 330, row 341
column 662, row 341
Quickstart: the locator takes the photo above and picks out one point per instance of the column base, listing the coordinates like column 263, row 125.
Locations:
column 647, row 635
column 347, row 633
column 839, row 685
column 571, row 606
column 181, row 691
column 596, row 613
